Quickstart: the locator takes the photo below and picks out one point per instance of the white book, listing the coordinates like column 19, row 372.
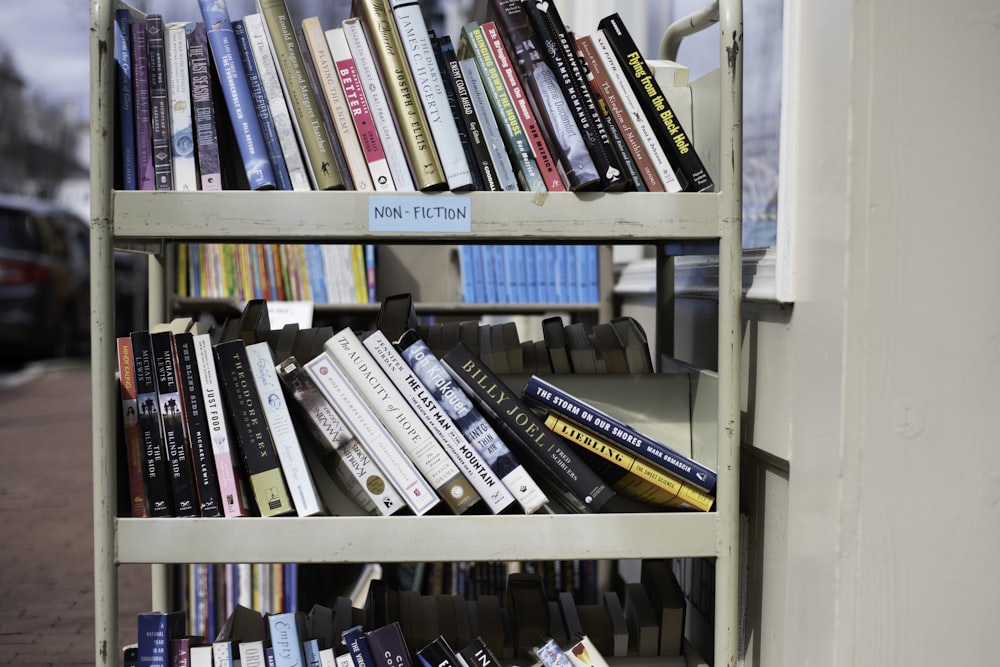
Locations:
column 301, row 487
column 252, row 653
column 344, row 660
column 179, row 98
column 657, row 155
column 486, row 483
column 393, row 410
column 280, row 116
column 223, row 444
column 488, row 125
column 327, row 658
column 431, row 89
column 416, row 491
column 201, row 656
column 378, row 104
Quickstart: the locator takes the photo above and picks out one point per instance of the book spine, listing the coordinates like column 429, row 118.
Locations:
column 280, row 116
column 286, row 639
column 353, row 465
column 378, row 103
column 473, row 41
column 550, row 103
column 293, row 464
column 659, row 487
column 250, row 427
column 485, row 482
column 654, row 103
column 418, row 494
column 388, row 646
column 508, row 413
column 203, row 110
column 182, row 147
column 363, row 123
column 140, row 90
column 202, row 456
column 246, row 129
column 301, row 98
column 155, row 630
column 357, row 647
column 130, row 414
column 175, row 440
column 476, row 154
column 431, row 91
column 159, row 107
column 478, row 654
column 523, row 108
column 126, row 113
column 488, row 126
column 461, row 410
column 550, row 397
column 155, row 474
column 271, row 143
column 438, row 653
column 655, row 150
column 223, row 447
column 380, row 27
column 350, row 354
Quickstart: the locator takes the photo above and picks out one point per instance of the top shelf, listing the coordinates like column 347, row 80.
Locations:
column 301, row 217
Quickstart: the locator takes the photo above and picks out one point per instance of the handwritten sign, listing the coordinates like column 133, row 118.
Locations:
column 420, row 214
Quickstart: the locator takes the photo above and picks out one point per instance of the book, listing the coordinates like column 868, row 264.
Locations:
column 253, row 23
column 643, row 625
column 523, row 107
column 473, row 43
column 172, row 421
column 550, row 397
column 206, row 132
column 284, row 629
column 690, row 170
column 198, row 432
column 133, row 440
column 510, row 416
column 179, row 649
column 582, row 354
column 155, row 630
column 479, row 654
column 554, row 336
column 301, row 487
column 619, row 627
column 380, row 27
column 635, row 344
column 182, row 147
column 357, row 646
column 311, row 652
column 301, row 98
column 388, row 646
column 430, row 89
column 528, row 604
column 485, row 483
column 469, row 131
column 245, row 410
column 235, row 90
column 463, row 413
column 549, row 654
column 224, row 447
column 159, row 107
column 123, row 98
column 378, row 103
column 362, row 122
column 252, row 653
column 140, row 92
column 201, row 655
column 668, row 602
column 261, row 107
column 595, row 625
column 438, row 653
column 545, row 92
column 351, row 463
column 393, row 410
column 506, row 179
column 584, row 653
column 354, row 411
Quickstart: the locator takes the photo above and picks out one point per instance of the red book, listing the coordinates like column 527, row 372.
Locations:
column 130, row 414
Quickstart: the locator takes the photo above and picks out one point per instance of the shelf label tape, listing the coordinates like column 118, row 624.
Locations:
column 420, row 213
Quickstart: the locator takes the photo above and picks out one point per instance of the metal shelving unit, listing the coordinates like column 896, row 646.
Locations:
column 151, row 222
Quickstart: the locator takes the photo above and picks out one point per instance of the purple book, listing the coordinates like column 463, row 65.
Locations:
column 140, row 97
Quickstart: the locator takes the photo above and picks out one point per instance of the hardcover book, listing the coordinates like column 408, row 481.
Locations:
column 528, row 604
column 357, row 647
column 302, row 102
column 503, row 168
column 123, row 89
column 235, row 89
column 584, row 653
column 478, row 654
column 550, row 397
column 155, row 630
column 140, row 90
column 438, row 653
column 643, row 625
column 130, row 414
column 511, row 417
column 463, row 413
column 284, row 629
column 469, row 130
column 155, row 470
column 203, row 110
column 159, row 107
column 388, row 646
column 409, row 431
column 182, row 149
column 668, row 602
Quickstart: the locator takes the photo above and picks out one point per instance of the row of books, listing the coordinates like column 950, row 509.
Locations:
column 381, row 103
column 248, row 420
column 528, row 624
column 321, row 273
column 529, row 273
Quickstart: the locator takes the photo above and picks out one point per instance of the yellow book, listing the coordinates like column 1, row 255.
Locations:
column 360, row 273
column 640, row 479
column 183, row 286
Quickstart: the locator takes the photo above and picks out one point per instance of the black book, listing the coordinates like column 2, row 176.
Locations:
column 478, row 654
column 159, row 107
column 171, row 406
column 512, row 418
column 246, row 415
column 554, row 336
column 388, row 647
column 529, row 606
column 657, row 108
column 199, row 436
column 154, row 469
column 438, row 653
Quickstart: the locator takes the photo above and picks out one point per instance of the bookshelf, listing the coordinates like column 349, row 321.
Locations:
column 151, row 222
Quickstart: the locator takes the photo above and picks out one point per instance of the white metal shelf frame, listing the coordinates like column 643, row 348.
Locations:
column 151, row 221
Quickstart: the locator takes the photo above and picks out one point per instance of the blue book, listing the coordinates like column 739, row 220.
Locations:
column 155, row 629
column 236, row 92
column 261, row 106
column 544, row 394
column 357, row 646
column 310, row 649
column 126, row 114
column 286, row 639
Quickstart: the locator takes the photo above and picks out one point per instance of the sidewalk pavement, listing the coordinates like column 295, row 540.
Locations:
column 46, row 514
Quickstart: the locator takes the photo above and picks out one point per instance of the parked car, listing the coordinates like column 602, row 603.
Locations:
column 44, row 280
